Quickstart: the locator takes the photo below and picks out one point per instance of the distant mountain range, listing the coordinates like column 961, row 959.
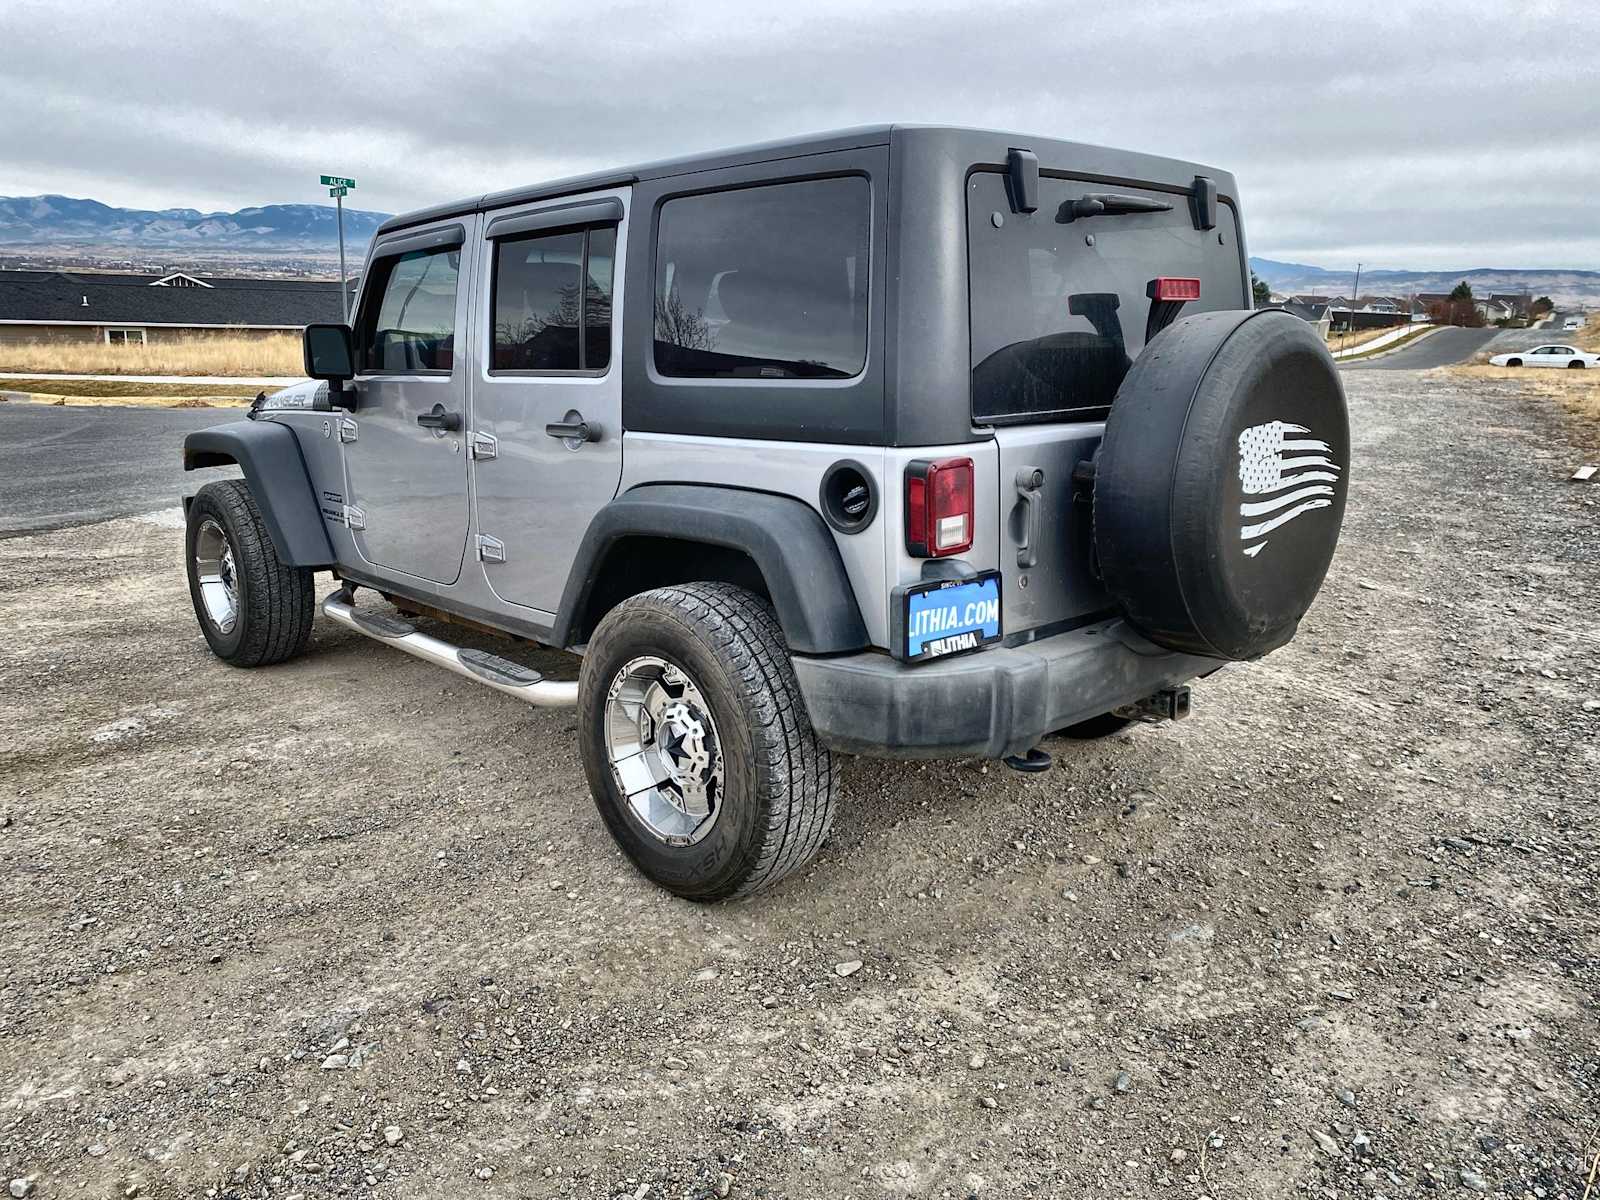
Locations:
column 274, row 228
column 1565, row 287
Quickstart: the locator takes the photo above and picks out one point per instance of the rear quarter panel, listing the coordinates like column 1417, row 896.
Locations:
column 875, row 558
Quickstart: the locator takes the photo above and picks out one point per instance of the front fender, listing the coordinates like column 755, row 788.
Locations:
column 784, row 537
column 269, row 454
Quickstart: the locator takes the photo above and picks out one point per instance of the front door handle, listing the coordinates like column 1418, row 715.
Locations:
column 573, row 429
column 437, row 418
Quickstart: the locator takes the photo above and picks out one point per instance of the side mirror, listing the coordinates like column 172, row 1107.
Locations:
column 329, row 354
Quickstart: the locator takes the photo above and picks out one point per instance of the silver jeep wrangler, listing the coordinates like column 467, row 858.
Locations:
column 901, row 441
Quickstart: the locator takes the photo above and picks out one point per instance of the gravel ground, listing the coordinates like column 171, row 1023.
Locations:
column 352, row 927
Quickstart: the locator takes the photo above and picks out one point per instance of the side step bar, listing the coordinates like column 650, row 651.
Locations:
column 491, row 670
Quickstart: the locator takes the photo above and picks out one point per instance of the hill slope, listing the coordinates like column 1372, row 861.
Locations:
column 64, row 221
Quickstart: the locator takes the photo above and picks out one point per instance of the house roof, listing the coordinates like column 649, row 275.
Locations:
column 54, row 297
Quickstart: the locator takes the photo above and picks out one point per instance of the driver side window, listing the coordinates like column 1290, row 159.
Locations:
column 408, row 322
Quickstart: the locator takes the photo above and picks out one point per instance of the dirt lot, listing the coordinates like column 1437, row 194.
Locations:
column 352, row 927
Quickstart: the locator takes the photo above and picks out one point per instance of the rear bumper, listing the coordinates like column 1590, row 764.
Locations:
column 991, row 703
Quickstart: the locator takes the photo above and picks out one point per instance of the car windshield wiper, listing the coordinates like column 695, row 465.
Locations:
column 1103, row 204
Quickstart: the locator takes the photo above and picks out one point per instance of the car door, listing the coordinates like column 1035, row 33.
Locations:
column 547, row 391
column 405, row 464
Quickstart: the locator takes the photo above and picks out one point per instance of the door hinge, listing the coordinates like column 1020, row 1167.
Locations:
column 347, row 429
column 354, row 518
column 484, row 446
column 491, row 549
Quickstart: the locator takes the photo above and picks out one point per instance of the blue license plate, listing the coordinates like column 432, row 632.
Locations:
column 952, row 617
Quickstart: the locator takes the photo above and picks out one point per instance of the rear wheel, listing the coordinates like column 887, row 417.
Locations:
column 696, row 742
column 1576, row 364
column 253, row 610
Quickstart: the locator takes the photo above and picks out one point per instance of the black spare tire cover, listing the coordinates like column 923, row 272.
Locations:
column 1220, row 486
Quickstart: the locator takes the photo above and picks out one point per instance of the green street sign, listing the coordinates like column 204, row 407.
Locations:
column 335, row 181
column 338, row 191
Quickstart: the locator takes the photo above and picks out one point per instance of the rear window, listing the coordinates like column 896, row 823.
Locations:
column 1059, row 308
column 764, row 282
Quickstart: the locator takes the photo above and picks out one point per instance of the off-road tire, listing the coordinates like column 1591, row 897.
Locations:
column 780, row 782
column 1102, row 726
column 275, row 602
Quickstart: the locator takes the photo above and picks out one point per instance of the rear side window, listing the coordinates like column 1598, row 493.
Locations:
column 412, row 326
column 1060, row 308
column 764, row 282
column 552, row 301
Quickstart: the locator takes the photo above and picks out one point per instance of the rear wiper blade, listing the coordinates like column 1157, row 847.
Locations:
column 1098, row 204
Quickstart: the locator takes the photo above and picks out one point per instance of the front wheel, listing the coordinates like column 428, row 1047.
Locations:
column 253, row 610
column 696, row 742
column 1513, row 362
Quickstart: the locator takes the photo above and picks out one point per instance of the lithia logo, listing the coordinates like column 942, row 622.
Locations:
column 1295, row 475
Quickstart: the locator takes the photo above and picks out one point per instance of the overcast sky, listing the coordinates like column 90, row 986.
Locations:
column 1407, row 133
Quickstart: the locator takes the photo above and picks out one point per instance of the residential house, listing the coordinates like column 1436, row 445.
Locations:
column 63, row 306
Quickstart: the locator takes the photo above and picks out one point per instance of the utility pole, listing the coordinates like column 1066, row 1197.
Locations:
column 339, row 187
column 1350, row 325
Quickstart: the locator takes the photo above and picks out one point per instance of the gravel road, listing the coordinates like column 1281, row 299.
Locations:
column 352, row 927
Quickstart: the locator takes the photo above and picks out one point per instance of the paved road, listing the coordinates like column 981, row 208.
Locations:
column 1459, row 345
column 70, row 465
column 1436, row 350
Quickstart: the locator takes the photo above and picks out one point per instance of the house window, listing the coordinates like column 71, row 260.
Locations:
column 124, row 337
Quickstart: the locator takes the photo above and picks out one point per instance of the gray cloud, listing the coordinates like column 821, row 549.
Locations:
column 1458, row 134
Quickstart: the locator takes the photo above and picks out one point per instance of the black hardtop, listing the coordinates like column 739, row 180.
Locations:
column 964, row 145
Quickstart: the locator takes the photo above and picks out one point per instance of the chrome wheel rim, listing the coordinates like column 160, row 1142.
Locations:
column 662, row 744
column 218, row 580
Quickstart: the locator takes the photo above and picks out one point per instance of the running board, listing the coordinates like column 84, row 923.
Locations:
column 491, row 670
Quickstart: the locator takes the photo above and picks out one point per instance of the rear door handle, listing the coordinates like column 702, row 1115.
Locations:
column 437, row 418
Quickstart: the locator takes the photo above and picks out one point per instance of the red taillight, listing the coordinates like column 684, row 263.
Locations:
column 1171, row 288
column 938, row 507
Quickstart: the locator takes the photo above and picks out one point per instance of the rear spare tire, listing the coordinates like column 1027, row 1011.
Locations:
column 1220, row 484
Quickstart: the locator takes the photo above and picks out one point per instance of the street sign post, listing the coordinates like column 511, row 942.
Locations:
column 339, row 187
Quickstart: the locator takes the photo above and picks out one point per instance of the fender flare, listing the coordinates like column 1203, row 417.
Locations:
column 275, row 471
column 785, row 538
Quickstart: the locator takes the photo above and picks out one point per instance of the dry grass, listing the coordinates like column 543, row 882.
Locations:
column 277, row 354
column 1358, row 337
column 144, row 395
column 1576, row 391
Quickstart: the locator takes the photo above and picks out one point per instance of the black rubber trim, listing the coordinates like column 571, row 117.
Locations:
column 791, row 547
column 997, row 702
column 275, row 471
column 382, row 624
column 595, row 212
column 496, row 669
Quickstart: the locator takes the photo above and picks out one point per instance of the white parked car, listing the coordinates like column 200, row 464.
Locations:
column 1571, row 324
column 1546, row 356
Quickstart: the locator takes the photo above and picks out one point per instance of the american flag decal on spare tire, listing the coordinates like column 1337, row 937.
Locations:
column 1292, row 474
